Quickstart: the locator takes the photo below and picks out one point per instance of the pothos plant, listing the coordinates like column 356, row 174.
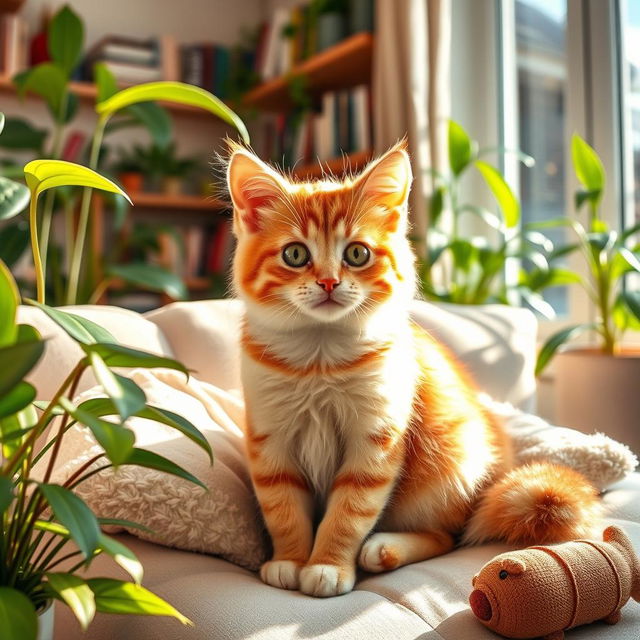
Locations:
column 609, row 256
column 39, row 517
column 469, row 268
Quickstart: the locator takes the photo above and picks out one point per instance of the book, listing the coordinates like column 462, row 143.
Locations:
column 132, row 73
column 13, row 44
column 169, row 58
column 127, row 50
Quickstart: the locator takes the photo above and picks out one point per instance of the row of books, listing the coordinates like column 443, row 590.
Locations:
column 295, row 34
column 14, row 44
column 192, row 251
column 342, row 125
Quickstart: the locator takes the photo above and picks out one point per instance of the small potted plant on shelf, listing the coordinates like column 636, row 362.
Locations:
column 129, row 170
column 596, row 386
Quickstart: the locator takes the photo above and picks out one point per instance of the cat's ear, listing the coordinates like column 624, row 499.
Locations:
column 387, row 181
column 252, row 185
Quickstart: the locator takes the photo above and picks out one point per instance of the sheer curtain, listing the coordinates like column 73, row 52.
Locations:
column 411, row 89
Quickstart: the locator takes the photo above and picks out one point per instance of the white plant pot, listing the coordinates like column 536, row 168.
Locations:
column 45, row 622
column 598, row 392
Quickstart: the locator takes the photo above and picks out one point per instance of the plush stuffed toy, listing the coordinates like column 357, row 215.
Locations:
column 543, row 591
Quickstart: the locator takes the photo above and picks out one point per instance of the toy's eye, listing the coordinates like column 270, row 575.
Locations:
column 503, row 575
column 356, row 254
column 296, row 254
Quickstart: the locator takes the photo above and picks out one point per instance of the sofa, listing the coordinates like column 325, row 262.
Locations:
column 426, row 600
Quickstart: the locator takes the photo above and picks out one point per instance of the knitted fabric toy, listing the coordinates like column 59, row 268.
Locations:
column 542, row 591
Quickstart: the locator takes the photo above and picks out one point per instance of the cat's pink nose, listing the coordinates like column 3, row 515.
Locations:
column 328, row 284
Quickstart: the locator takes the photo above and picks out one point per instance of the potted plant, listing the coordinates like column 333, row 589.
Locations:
column 596, row 386
column 39, row 518
column 129, row 170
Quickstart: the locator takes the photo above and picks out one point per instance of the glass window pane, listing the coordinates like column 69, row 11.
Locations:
column 542, row 71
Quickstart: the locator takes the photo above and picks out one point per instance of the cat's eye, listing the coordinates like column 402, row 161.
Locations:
column 296, row 254
column 503, row 575
column 356, row 254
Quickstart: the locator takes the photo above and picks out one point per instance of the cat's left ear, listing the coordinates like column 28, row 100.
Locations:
column 387, row 181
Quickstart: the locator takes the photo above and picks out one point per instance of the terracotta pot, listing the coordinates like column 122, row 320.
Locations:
column 131, row 181
column 45, row 622
column 10, row 6
column 597, row 392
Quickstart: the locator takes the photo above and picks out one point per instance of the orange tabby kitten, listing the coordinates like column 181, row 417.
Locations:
column 356, row 416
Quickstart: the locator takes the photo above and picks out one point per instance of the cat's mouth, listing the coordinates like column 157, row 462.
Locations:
column 327, row 303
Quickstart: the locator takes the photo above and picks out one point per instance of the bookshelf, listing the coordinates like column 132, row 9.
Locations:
column 351, row 162
column 149, row 201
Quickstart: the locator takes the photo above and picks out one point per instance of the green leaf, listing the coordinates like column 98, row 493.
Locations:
column 502, row 192
column 487, row 216
column 150, row 277
column 622, row 315
column 18, row 619
column 65, row 38
column 172, row 92
column 14, row 197
column 46, row 174
column 582, row 196
column 76, row 593
column 20, row 135
column 150, row 460
column 128, row 524
column 52, row 527
column 460, row 148
column 116, row 596
column 463, row 252
column 556, row 341
column 630, row 231
column 116, row 355
column 116, row 440
column 48, row 81
column 22, row 395
column 75, row 515
column 13, row 428
column 9, row 301
column 539, row 239
column 588, row 168
column 156, row 120
column 537, row 302
column 630, row 258
column 23, row 356
column 14, row 240
column 2, row 120
column 6, row 494
column 436, row 206
column 632, row 300
column 105, row 81
column 79, row 328
column 127, row 396
column 123, row 556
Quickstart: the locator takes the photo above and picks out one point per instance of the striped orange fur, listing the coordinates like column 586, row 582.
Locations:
column 355, row 414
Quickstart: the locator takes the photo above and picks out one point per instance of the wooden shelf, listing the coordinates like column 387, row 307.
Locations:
column 350, row 163
column 198, row 283
column 88, row 92
column 344, row 65
column 184, row 202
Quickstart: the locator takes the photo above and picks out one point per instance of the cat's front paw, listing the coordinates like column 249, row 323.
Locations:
column 326, row 580
column 284, row 574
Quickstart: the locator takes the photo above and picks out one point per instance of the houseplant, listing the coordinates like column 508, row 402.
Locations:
column 39, row 519
column 596, row 386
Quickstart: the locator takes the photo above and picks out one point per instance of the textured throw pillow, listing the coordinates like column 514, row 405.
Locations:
column 223, row 521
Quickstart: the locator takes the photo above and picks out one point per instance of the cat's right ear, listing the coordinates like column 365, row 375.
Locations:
column 252, row 185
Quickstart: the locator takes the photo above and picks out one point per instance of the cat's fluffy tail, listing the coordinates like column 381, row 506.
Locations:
column 537, row 503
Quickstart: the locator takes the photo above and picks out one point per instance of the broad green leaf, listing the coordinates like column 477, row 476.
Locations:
column 127, row 396
column 627, row 233
column 502, row 192
column 632, row 300
column 556, row 341
column 116, row 440
column 23, row 356
column 18, row 618
column 588, row 167
column 150, row 460
column 105, row 81
column 156, row 119
column 150, row 277
column 172, row 92
column 116, row 596
column 46, row 174
column 116, row 355
column 14, row 198
column 463, row 253
column 48, row 81
column 460, row 148
column 22, row 395
column 9, row 301
column 537, row 302
column 6, row 494
column 582, row 196
column 484, row 214
column 14, row 427
column 539, row 239
column 559, row 252
column 21, row 135
column 65, row 38
column 75, row 592
column 72, row 512
column 631, row 258
column 435, row 206
column 14, row 240
column 123, row 556
column 79, row 328
column 622, row 315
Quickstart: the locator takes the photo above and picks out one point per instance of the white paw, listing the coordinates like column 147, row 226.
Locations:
column 378, row 555
column 326, row 580
column 283, row 574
